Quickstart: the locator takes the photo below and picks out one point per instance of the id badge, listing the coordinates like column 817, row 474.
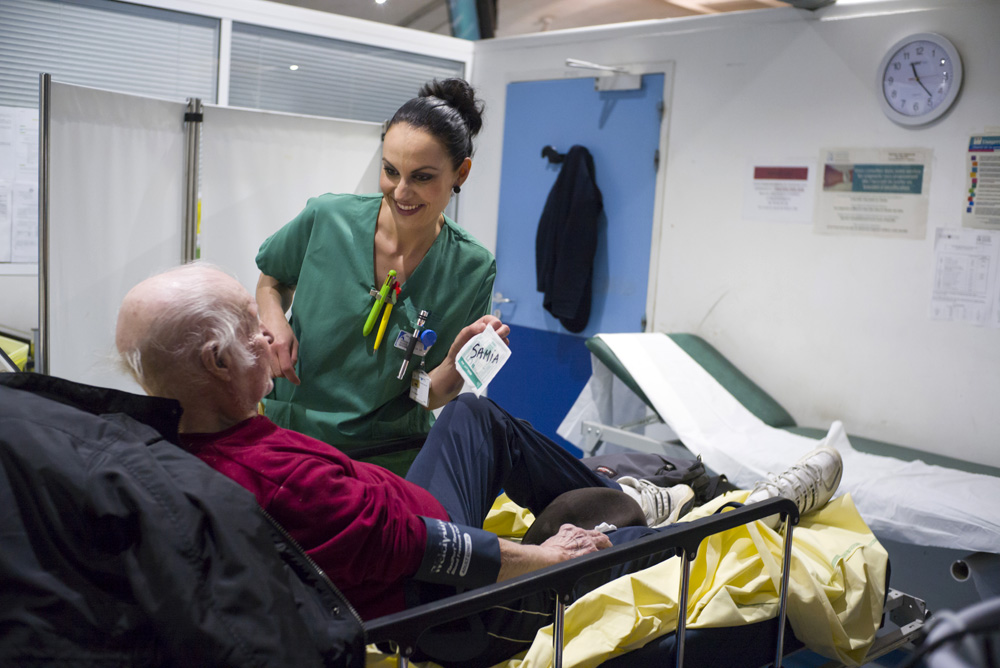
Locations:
column 420, row 387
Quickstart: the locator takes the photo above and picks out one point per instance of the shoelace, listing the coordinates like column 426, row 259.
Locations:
column 652, row 494
column 802, row 480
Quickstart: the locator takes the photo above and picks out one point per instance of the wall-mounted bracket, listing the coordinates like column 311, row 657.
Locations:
column 609, row 78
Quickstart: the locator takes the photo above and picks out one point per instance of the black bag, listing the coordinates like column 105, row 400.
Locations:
column 662, row 471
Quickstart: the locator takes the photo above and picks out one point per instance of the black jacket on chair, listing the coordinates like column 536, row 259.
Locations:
column 567, row 241
column 121, row 549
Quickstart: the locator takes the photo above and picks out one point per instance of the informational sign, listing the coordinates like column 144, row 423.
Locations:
column 18, row 185
column 982, row 183
column 874, row 192
column 780, row 191
column 965, row 276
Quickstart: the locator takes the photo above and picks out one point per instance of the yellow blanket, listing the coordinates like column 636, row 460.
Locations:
column 837, row 585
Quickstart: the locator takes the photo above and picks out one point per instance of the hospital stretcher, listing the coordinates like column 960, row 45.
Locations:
column 758, row 644
column 938, row 517
column 735, row 644
column 404, row 629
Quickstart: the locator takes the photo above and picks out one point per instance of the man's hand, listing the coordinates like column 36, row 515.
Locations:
column 569, row 542
column 572, row 541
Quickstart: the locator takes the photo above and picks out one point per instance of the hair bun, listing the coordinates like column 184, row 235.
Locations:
column 460, row 96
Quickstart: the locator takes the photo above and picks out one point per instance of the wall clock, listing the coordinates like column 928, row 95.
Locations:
column 919, row 78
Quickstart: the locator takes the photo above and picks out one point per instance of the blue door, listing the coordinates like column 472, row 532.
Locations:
column 548, row 365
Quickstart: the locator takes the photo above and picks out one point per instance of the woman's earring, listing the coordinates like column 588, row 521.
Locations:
column 456, row 189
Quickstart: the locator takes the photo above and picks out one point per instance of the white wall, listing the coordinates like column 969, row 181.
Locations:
column 834, row 327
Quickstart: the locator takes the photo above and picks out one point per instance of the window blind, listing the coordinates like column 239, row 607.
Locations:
column 105, row 44
column 305, row 74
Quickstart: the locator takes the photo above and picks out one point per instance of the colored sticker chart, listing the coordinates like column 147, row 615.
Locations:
column 982, row 183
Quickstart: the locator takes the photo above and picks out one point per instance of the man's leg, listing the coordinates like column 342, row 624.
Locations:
column 476, row 449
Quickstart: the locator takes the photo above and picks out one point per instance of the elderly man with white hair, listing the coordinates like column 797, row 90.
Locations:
column 193, row 334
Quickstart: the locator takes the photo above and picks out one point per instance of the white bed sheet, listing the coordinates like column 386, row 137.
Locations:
column 910, row 502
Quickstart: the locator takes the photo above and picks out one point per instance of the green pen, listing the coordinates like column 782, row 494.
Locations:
column 377, row 306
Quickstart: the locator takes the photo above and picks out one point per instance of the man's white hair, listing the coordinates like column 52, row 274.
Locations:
column 193, row 316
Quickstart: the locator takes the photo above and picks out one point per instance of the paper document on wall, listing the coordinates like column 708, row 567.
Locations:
column 18, row 185
column 7, row 160
column 5, row 197
column 24, row 224
column 780, row 191
column 874, row 192
column 965, row 275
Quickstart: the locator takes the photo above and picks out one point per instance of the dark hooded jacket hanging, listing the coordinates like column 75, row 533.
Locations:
column 567, row 241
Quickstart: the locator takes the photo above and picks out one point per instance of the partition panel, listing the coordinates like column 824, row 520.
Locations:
column 116, row 189
column 258, row 168
column 116, row 202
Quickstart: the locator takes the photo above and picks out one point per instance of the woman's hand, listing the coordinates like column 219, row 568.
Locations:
column 478, row 327
column 284, row 351
column 273, row 299
column 446, row 382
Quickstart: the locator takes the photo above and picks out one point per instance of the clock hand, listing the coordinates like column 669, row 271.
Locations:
column 916, row 76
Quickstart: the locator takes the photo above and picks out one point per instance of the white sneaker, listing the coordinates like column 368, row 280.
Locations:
column 810, row 483
column 660, row 505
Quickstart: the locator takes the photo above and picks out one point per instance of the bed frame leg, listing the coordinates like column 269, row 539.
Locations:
column 682, row 599
column 786, row 567
column 557, row 633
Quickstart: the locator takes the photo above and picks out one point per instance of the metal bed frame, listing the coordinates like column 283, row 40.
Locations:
column 404, row 629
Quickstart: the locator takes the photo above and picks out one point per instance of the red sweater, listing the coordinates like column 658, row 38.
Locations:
column 359, row 522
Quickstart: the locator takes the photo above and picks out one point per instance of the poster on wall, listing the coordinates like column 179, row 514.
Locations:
column 873, row 192
column 779, row 190
column 965, row 276
column 18, row 186
column 982, row 183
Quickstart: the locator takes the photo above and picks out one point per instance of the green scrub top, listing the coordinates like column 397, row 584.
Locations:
column 350, row 396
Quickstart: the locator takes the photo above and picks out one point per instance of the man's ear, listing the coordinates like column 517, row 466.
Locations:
column 215, row 363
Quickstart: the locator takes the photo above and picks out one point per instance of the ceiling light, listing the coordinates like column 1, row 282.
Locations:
column 293, row 67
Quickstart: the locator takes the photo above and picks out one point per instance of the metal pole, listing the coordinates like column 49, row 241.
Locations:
column 44, row 119
column 192, row 119
column 786, row 567
column 557, row 633
column 682, row 608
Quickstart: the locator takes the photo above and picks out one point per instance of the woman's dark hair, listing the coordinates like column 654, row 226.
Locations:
column 449, row 110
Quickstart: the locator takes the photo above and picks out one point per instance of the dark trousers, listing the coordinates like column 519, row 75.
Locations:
column 474, row 451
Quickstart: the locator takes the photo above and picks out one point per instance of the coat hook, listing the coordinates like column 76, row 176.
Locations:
column 553, row 155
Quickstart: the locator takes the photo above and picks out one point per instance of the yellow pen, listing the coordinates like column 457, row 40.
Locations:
column 377, row 306
column 394, row 293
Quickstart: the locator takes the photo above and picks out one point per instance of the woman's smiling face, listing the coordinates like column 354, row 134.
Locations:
column 417, row 175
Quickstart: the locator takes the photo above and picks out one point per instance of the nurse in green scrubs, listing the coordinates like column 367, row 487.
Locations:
column 331, row 382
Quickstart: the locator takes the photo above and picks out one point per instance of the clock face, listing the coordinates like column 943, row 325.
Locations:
column 920, row 78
